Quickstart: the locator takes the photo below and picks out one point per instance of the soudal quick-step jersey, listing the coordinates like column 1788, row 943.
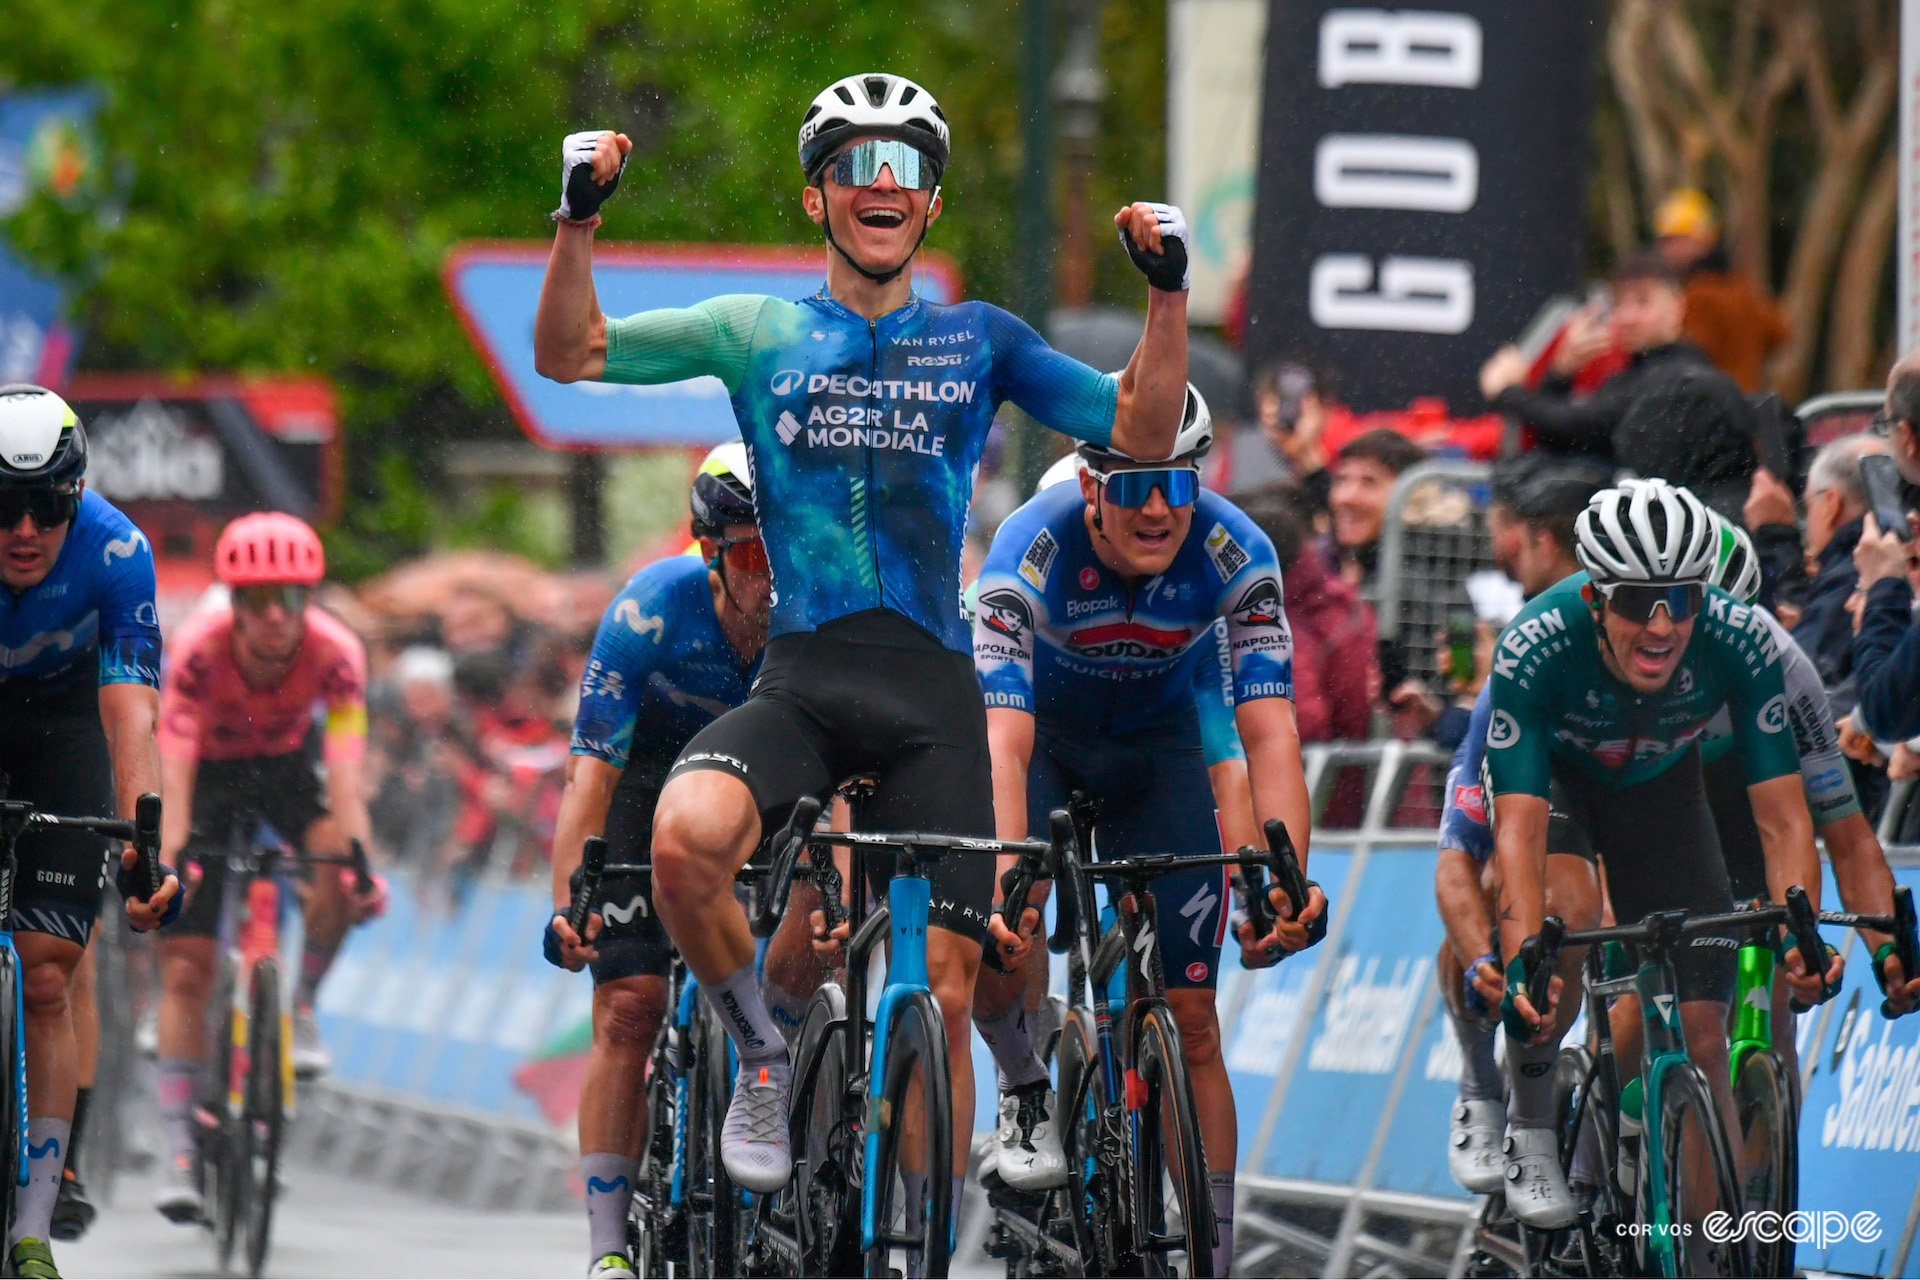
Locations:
column 1553, row 696
column 1058, row 634
column 864, row 435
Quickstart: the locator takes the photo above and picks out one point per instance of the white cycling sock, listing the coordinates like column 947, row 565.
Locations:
column 609, row 1181
column 178, row 1079
column 46, row 1157
column 1007, row 1035
column 1222, row 1184
column 1480, row 1078
column 788, row 1010
column 743, row 1012
column 1530, row 1067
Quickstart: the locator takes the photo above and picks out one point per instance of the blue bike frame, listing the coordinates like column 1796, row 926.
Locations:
column 908, row 901
column 19, row 1054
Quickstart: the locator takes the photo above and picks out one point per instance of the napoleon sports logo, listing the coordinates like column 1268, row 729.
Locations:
column 1005, row 611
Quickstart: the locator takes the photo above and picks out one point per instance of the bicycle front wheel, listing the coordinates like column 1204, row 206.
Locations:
column 1173, row 1214
column 257, row 1136
column 912, row 1175
column 1770, row 1150
column 1700, row 1176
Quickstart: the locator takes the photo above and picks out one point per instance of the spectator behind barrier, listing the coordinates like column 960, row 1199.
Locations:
column 1886, row 654
column 1698, row 432
column 1293, row 402
column 411, row 721
column 1333, row 642
column 1648, row 312
column 1729, row 317
column 1363, row 477
column 1836, row 502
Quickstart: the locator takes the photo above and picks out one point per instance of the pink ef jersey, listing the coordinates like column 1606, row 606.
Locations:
column 208, row 712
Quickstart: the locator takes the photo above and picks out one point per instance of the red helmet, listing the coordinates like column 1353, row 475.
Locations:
column 267, row 548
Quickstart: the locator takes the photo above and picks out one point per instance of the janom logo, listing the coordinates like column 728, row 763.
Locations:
column 787, row 380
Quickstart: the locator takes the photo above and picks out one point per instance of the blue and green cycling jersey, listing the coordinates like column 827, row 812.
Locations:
column 661, row 670
column 864, row 435
column 1553, row 697
column 91, row 620
column 1058, row 634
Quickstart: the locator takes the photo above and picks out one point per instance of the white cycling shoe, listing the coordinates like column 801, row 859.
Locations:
column 310, row 1057
column 178, row 1198
column 612, row 1266
column 1027, row 1148
column 754, row 1144
column 1476, row 1132
column 1535, row 1185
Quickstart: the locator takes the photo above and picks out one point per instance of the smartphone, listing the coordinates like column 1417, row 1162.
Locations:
column 1460, row 629
column 1771, row 429
column 1883, row 494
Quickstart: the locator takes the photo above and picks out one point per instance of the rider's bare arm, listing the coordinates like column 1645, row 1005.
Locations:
column 569, row 330
column 130, row 713
column 1786, row 836
column 1463, row 904
column 1233, row 798
column 1274, row 771
column 1520, row 854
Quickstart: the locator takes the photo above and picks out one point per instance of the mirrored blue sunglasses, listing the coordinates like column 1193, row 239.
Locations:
column 860, row 164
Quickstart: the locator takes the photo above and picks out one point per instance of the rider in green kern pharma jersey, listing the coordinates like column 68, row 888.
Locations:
column 1602, row 689
column 864, row 409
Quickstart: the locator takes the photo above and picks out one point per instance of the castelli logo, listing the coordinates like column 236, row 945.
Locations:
column 1089, row 578
column 1197, row 971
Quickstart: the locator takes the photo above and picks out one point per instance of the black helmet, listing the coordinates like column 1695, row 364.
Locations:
column 41, row 440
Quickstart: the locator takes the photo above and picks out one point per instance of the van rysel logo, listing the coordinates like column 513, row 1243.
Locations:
column 787, row 381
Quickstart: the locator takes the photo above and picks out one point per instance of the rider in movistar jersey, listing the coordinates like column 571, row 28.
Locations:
column 1602, row 688
column 79, row 698
column 676, row 648
column 864, row 409
column 1095, row 634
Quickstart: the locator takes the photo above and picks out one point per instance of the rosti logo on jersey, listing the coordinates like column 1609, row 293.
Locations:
column 1038, row 560
column 1521, row 636
column 1226, row 554
column 787, row 381
column 936, row 362
column 1503, row 731
column 1005, row 611
column 1773, row 714
column 1259, row 605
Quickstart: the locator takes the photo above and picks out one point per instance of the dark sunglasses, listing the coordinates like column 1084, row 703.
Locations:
column 50, row 508
column 743, row 555
column 1636, row 602
column 1179, row 485
column 257, row 599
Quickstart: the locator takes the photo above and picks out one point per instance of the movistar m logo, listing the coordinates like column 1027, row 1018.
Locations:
column 608, row 1188
column 51, row 1147
column 124, row 548
column 636, row 906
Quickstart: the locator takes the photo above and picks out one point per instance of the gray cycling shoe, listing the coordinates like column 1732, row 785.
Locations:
column 1476, row 1131
column 1535, row 1185
column 754, row 1145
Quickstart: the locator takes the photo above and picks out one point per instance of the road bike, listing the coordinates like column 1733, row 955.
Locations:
column 1137, row 1199
column 16, row 818
column 247, row 1096
column 871, row 1111
column 686, row 1215
column 1657, row 1189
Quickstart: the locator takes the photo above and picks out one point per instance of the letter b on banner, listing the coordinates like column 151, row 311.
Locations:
column 1422, row 186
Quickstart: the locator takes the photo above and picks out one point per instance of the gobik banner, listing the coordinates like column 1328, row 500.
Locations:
column 1423, row 176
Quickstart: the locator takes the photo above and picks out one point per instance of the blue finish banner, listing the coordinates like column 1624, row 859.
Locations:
column 495, row 287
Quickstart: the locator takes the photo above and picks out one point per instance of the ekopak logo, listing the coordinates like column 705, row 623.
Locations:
column 787, row 381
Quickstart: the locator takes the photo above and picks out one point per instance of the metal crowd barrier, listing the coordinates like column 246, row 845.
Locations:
column 1433, row 536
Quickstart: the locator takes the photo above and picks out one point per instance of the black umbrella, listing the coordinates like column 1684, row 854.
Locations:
column 1105, row 337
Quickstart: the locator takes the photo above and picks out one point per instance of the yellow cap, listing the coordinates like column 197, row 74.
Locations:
column 1687, row 212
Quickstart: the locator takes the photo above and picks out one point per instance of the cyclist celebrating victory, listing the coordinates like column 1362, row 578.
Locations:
column 239, row 743
column 1098, row 608
column 1602, row 688
column 79, row 674
column 864, row 409
column 676, row 648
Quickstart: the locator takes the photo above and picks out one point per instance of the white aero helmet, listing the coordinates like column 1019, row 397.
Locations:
column 1062, row 470
column 872, row 104
column 1190, row 443
column 1736, row 567
column 41, row 439
column 1647, row 531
